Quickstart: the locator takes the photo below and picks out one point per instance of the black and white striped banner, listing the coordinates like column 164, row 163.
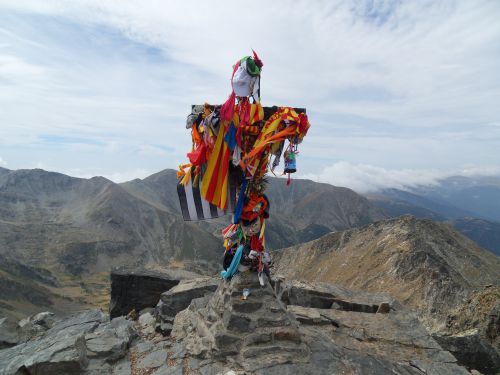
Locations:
column 194, row 207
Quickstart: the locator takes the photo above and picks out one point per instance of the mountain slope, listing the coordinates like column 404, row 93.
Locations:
column 306, row 210
column 78, row 229
column 89, row 225
column 480, row 196
column 303, row 211
column 437, row 203
column 435, row 207
column 426, row 265
column 486, row 233
column 26, row 290
column 3, row 171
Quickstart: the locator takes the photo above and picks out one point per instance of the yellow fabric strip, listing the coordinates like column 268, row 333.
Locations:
column 212, row 162
column 186, row 178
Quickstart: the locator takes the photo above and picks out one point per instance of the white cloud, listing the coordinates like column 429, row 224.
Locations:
column 12, row 67
column 365, row 178
column 3, row 162
column 479, row 171
column 129, row 175
column 117, row 177
column 411, row 84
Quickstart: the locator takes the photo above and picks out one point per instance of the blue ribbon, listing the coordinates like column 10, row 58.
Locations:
column 241, row 201
column 233, row 267
column 230, row 137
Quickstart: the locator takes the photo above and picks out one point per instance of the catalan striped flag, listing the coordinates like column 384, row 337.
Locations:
column 214, row 186
column 194, row 207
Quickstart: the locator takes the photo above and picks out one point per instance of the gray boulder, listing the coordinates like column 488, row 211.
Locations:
column 472, row 351
column 34, row 326
column 60, row 350
column 110, row 340
column 85, row 341
column 140, row 289
column 8, row 333
column 180, row 296
column 45, row 319
column 147, row 322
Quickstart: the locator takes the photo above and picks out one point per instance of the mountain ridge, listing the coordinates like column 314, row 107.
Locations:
column 427, row 265
column 78, row 229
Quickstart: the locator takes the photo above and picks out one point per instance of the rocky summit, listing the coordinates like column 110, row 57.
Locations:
column 239, row 328
column 450, row 282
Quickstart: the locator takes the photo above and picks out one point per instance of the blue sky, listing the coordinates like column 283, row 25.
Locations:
column 398, row 92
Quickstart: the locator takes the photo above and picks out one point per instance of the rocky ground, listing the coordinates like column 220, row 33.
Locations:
column 426, row 265
column 204, row 326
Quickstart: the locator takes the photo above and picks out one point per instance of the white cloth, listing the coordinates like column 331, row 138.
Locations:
column 243, row 83
column 236, row 155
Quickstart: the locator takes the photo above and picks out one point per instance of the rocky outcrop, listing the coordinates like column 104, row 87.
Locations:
column 179, row 297
column 85, row 343
column 342, row 334
column 471, row 350
column 327, row 296
column 480, row 311
column 139, row 289
column 13, row 333
column 8, row 333
column 428, row 266
column 34, row 326
column 472, row 331
column 242, row 328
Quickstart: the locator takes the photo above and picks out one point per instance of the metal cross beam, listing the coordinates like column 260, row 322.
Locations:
column 269, row 111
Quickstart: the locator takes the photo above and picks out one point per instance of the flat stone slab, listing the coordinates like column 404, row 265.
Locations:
column 110, row 340
column 169, row 370
column 61, row 350
column 83, row 343
column 180, row 296
column 153, row 359
column 326, row 296
column 143, row 347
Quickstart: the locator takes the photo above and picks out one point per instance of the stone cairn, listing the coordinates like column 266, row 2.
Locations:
column 238, row 331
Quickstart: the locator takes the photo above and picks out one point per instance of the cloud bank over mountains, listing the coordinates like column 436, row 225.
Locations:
column 392, row 88
column 365, row 178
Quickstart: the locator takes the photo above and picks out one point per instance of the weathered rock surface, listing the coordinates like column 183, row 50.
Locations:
column 480, row 311
column 147, row 322
column 343, row 334
column 330, row 296
column 85, row 343
column 472, row 331
column 8, row 333
column 290, row 328
column 428, row 266
column 34, row 326
column 139, row 289
column 180, row 296
column 472, row 351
